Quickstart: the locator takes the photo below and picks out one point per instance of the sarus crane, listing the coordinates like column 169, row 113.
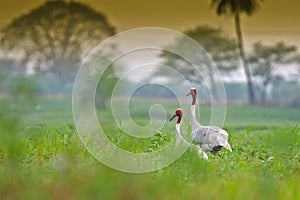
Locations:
column 206, row 138
column 178, row 113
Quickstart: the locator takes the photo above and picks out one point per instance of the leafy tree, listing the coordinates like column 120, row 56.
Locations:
column 235, row 8
column 100, row 61
column 222, row 50
column 105, row 87
column 265, row 59
column 53, row 37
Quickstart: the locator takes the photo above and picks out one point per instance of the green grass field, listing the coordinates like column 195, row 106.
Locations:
column 42, row 157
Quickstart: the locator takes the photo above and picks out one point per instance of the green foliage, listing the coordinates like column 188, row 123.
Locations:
column 44, row 158
column 52, row 163
column 158, row 141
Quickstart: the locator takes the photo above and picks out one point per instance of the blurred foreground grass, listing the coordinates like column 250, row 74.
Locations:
column 41, row 157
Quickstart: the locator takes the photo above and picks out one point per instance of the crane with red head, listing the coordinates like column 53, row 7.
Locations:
column 178, row 114
column 207, row 138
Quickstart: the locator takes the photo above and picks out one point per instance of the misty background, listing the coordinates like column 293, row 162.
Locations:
column 42, row 48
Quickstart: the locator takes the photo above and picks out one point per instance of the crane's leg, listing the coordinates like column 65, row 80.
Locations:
column 201, row 152
column 218, row 154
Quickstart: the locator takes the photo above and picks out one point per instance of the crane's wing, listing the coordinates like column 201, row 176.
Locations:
column 210, row 137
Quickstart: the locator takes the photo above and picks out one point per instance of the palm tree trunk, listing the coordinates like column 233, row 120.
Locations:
column 251, row 94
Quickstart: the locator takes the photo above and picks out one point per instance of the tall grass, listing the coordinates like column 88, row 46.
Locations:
column 43, row 159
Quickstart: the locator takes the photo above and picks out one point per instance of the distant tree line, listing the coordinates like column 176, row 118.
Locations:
column 49, row 42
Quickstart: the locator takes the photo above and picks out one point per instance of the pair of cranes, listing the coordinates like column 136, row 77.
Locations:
column 206, row 138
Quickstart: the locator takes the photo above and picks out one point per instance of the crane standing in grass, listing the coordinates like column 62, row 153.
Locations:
column 207, row 138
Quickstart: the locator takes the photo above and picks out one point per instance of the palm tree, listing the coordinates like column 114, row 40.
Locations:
column 235, row 8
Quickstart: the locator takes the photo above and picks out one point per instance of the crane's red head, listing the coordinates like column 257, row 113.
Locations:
column 178, row 113
column 193, row 92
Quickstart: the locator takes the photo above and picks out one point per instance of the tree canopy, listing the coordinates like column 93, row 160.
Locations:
column 265, row 59
column 233, row 6
column 221, row 48
column 54, row 36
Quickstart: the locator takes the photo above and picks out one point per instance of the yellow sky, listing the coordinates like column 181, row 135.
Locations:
column 276, row 20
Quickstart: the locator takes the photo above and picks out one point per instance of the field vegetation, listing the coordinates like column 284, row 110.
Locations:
column 42, row 157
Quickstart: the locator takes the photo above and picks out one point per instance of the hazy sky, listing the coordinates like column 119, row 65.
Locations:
column 276, row 20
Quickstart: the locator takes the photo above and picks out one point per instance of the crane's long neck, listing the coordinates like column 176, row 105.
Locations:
column 178, row 134
column 194, row 121
column 193, row 99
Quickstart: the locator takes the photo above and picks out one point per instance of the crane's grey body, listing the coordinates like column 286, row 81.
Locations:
column 207, row 138
column 210, row 138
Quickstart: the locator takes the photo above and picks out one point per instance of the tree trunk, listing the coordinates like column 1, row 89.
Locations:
column 251, row 94
column 265, row 84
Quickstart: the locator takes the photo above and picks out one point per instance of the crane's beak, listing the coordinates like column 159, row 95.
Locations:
column 188, row 94
column 172, row 117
